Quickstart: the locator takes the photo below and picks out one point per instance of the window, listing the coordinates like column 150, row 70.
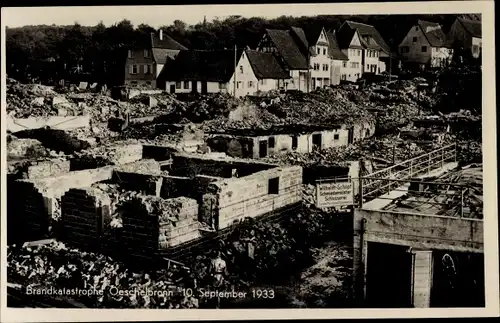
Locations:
column 405, row 49
column 250, row 84
column 271, row 142
column 336, row 136
column 134, row 69
column 146, row 53
column 222, row 86
column 344, row 64
column 238, row 84
column 324, row 51
column 325, row 67
column 178, row 85
column 318, row 50
column 359, row 52
column 424, row 49
column 343, row 77
column 295, row 142
column 475, row 49
column 130, row 54
column 186, row 84
column 414, row 39
column 241, row 69
column 274, row 185
column 148, row 69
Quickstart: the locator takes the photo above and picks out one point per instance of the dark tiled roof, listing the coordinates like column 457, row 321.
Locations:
column 300, row 37
column 473, row 27
column 344, row 37
column 288, row 48
column 202, row 65
column 160, row 55
column 266, row 66
column 166, row 43
column 436, row 37
column 333, row 48
column 312, row 34
column 369, row 31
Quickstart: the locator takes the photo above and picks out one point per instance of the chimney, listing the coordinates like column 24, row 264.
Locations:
column 161, row 34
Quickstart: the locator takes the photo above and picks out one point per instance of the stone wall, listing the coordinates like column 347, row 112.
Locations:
column 145, row 184
column 84, row 216
column 151, row 224
column 191, row 166
column 252, row 195
column 422, row 231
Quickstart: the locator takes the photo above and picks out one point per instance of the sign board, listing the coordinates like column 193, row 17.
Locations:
column 334, row 194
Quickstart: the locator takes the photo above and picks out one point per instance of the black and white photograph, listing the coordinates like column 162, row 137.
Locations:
column 195, row 157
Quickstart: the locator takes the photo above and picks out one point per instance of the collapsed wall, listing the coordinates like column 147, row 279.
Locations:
column 152, row 224
column 84, row 215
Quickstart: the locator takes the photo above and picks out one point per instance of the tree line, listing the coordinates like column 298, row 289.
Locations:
column 97, row 53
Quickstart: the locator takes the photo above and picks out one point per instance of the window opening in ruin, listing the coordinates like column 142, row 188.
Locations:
column 186, row 84
column 336, row 136
column 178, row 85
column 295, row 142
column 271, row 142
column 274, row 185
column 424, row 49
column 316, row 141
column 263, row 148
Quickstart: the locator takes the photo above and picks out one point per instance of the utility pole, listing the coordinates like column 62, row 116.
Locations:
column 235, row 63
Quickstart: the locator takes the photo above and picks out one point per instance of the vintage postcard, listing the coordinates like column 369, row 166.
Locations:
column 249, row 162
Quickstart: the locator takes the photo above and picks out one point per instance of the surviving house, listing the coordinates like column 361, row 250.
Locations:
column 338, row 58
column 467, row 34
column 325, row 59
column 364, row 47
column 292, row 50
column 146, row 61
column 426, row 45
column 237, row 72
column 310, row 55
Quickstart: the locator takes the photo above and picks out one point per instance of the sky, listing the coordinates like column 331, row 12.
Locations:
column 157, row 16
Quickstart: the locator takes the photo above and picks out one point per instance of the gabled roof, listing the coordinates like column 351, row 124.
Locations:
column 344, row 37
column 291, row 51
column 365, row 30
column 333, row 47
column 312, row 34
column 473, row 27
column 166, row 43
column 160, row 55
column 202, row 65
column 433, row 33
column 266, row 65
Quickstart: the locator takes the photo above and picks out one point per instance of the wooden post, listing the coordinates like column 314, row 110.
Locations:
column 360, row 186
column 461, row 202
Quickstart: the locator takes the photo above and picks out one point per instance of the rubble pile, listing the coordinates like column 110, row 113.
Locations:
column 58, row 266
column 206, row 107
column 25, row 148
column 276, row 247
column 321, row 106
column 387, row 150
column 28, row 100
